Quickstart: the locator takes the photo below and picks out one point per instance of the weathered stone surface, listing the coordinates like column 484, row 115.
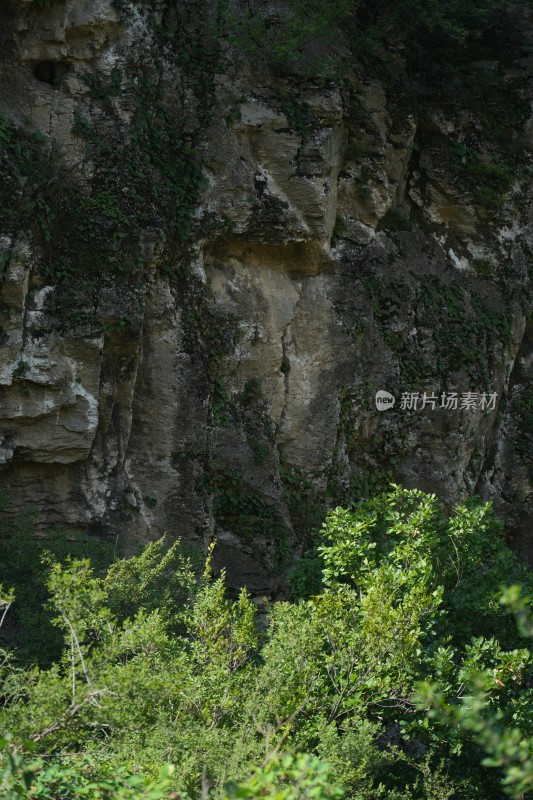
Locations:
column 332, row 259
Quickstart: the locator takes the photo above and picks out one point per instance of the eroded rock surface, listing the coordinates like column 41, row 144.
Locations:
column 334, row 253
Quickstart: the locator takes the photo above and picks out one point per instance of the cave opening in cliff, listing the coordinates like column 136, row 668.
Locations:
column 50, row 71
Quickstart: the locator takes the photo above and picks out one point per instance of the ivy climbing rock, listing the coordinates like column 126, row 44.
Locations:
column 210, row 263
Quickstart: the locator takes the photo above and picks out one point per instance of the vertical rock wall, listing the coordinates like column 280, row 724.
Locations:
column 341, row 244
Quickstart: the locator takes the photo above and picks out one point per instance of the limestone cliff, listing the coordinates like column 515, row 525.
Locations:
column 209, row 267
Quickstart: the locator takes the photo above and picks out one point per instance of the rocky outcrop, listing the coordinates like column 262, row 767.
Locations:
column 340, row 245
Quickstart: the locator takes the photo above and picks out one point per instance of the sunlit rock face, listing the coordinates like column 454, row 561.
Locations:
column 336, row 251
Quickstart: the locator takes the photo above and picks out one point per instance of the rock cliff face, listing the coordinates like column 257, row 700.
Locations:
column 335, row 242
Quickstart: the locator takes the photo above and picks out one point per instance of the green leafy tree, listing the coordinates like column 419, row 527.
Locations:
column 507, row 746
column 160, row 667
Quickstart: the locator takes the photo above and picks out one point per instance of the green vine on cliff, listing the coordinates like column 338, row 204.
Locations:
column 523, row 436
column 134, row 194
column 466, row 337
column 147, row 179
column 242, row 509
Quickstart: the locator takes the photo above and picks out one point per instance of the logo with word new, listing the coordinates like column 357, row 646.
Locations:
column 384, row 400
